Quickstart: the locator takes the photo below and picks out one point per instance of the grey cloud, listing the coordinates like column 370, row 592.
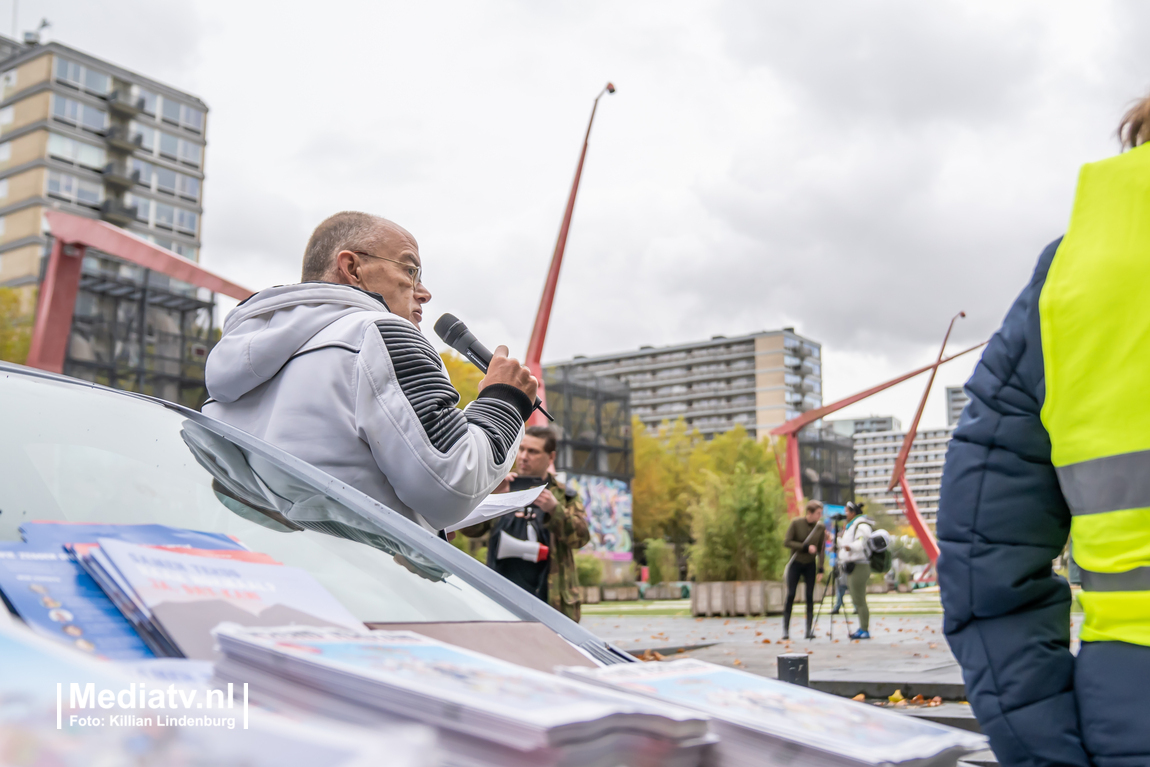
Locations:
column 898, row 61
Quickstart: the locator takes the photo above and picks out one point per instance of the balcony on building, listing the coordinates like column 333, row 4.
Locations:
column 122, row 102
column 117, row 212
column 121, row 138
column 118, row 174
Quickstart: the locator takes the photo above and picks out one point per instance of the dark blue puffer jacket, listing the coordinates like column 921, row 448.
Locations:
column 1001, row 521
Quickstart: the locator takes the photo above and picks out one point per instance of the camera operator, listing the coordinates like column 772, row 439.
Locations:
column 855, row 564
column 806, row 537
column 335, row 371
column 556, row 523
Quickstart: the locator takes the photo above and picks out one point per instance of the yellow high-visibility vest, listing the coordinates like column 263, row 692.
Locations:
column 1095, row 317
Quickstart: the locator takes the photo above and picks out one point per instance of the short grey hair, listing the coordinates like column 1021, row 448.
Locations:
column 347, row 230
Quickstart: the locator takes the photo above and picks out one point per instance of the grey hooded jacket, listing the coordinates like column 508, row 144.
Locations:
column 326, row 373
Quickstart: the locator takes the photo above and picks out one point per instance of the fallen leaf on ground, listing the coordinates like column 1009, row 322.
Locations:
column 860, row 697
column 896, row 697
column 918, row 700
column 738, row 662
column 932, row 645
column 758, row 633
column 766, row 641
column 935, row 701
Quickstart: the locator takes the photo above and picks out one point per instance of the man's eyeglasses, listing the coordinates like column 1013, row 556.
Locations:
column 413, row 271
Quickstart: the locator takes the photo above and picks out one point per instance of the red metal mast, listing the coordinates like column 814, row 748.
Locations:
column 900, row 462
column 543, row 315
column 791, row 472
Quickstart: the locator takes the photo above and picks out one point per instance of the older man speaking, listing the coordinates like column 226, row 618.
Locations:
column 335, row 371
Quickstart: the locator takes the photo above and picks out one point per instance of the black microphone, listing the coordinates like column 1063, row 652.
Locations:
column 456, row 335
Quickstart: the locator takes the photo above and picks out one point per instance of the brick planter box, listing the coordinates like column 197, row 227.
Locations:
column 729, row 598
column 663, row 592
column 591, row 594
column 620, row 593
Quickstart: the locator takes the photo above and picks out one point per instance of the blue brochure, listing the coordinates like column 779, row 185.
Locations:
column 59, row 533
column 55, row 597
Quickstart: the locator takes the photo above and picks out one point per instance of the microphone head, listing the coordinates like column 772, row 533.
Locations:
column 452, row 330
column 444, row 326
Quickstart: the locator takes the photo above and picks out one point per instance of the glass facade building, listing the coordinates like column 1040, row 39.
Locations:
column 594, row 452
column 139, row 330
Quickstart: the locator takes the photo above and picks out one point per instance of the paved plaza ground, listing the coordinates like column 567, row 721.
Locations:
column 906, row 631
column 907, row 649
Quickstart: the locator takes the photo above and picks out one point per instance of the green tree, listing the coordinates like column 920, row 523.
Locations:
column 15, row 326
column 464, row 376
column 589, row 569
column 718, row 503
column 738, row 524
column 663, row 566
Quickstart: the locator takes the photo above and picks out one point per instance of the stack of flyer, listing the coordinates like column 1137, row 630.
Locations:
column 764, row 721
column 42, row 583
column 174, row 597
column 490, row 712
column 60, row 708
column 137, row 592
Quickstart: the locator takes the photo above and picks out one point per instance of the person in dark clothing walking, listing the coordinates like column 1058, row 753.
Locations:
column 806, row 537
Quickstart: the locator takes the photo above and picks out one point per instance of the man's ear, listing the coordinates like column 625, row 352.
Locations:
column 347, row 268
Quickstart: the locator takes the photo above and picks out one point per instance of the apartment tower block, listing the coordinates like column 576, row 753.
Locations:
column 90, row 138
column 757, row 381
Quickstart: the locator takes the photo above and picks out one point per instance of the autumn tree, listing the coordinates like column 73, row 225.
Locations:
column 696, row 494
column 15, row 326
column 464, row 376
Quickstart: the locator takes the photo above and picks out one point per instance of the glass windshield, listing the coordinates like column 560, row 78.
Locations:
column 74, row 453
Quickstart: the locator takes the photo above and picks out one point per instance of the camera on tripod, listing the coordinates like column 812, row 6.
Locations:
column 838, row 517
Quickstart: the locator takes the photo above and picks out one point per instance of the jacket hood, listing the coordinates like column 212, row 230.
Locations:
column 265, row 331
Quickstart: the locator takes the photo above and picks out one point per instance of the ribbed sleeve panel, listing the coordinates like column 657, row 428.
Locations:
column 499, row 419
column 419, row 373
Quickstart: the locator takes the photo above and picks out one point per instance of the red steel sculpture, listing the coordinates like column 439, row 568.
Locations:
column 543, row 315
column 71, row 237
column 791, row 472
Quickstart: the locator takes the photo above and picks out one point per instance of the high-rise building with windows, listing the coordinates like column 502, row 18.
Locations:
column 852, row 426
column 956, row 402
column 757, row 381
column 875, row 455
column 90, row 138
column 82, row 136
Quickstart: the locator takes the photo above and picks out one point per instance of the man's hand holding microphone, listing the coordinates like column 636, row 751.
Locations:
column 505, row 370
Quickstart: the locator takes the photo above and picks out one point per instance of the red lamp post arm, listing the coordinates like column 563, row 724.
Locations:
column 543, row 315
column 904, row 452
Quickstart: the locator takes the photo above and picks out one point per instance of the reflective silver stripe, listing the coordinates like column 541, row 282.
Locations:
column 1137, row 579
column 1112, row 483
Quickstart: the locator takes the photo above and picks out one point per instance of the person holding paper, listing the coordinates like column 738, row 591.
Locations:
column 535, row 547
column 334, row 370
column 806, row 538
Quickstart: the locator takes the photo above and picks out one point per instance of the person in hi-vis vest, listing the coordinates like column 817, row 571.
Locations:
column 1055, row 443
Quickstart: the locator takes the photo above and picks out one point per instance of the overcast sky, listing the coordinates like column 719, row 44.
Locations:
column 861, row 171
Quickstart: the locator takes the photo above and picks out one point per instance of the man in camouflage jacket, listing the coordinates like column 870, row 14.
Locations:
column 567, row 524
column 564, row 519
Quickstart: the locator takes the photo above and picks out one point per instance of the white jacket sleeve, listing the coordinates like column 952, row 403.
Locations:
column 440, row 460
